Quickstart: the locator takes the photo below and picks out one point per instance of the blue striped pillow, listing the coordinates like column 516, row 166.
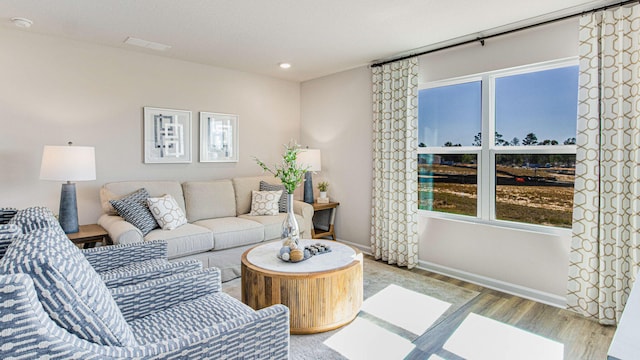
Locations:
column 8, row 232
column 133, row 209
column 6, row 214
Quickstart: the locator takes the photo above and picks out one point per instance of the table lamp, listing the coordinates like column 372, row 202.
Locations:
column 68, row 163
column 312, row 159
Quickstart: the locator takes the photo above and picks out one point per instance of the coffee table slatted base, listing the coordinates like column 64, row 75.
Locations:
column 317, row 302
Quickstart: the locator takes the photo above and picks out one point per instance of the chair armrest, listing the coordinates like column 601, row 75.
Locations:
column 105, row 258
column 120, row 231
column 306, row 211
column 147, row 270
column 140, row 300
column 263, row 334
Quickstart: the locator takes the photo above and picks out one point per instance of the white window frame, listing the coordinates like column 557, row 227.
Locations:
column 486, row 154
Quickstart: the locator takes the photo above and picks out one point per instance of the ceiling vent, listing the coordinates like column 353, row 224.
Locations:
column 146, row 44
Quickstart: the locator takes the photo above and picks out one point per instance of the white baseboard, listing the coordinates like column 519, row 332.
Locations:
column 364, row 248
column 499, row 285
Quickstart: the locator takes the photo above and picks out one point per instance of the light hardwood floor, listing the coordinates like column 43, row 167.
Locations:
column 582, row 339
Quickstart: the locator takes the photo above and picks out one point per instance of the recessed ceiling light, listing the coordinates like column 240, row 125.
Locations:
column 146, row 44
column 21, row 22
column 284, row 65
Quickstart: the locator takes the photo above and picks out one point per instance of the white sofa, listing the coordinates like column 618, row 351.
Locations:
column 219, row 227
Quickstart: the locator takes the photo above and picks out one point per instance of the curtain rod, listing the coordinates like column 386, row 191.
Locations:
column 483, row 38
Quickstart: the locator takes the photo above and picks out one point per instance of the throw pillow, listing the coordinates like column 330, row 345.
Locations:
column 8, row 232
column 282, row 203
column 166, row 211
column 265, row 202
column 6, row 214
column 133, row 209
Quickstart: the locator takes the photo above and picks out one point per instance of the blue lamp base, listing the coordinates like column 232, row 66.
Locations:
column 308, row 188
column 68, row 215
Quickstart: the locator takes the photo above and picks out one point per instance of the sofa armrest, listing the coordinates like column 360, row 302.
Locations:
column 306, row 211
column 120, row 231
column 147, row 270
column 105, row 258
column 140, row 300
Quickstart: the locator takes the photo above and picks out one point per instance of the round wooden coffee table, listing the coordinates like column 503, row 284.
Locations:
column 322, row 293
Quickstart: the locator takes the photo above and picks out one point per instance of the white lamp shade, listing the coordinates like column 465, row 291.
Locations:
column 310, row 158
column 68, row 163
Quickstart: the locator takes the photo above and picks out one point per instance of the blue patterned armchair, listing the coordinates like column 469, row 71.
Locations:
column 54, row 304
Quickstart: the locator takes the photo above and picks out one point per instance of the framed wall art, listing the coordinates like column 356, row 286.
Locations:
column 218, row 137
column 167, row 136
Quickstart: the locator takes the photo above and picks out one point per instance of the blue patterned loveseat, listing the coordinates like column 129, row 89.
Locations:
column 54, row 305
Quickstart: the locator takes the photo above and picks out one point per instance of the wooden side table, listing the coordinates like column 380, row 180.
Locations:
column 320, row 233
column 89, row 235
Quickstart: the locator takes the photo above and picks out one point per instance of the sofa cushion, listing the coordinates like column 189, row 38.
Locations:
column 282, row 203
column 134, row 209
column 243, row 187
column 209, row 199
column 118, row 190
column 185, row 240
column 70, row 290
column 273, row 224
column 265, row 202
column 166, row 211
column 232, row 231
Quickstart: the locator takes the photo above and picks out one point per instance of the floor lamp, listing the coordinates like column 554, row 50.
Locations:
column 68, row 163
column 312, row 159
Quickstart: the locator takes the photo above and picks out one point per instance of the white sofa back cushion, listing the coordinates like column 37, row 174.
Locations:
column 243, row 187
column 117, row 190
column 209, row 199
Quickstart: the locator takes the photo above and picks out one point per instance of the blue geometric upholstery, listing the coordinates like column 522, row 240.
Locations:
column 104, row 258
column 33, row 218
column 54, row 305
column 8, row 232
column 70, row 290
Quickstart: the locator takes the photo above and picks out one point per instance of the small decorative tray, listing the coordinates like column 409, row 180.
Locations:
column 298, row 255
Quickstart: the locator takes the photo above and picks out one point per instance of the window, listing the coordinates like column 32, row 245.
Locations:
column 500, row 146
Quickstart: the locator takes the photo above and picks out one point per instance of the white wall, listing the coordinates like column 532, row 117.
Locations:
column 55, row 90
column 336, row 118
column 528, row 263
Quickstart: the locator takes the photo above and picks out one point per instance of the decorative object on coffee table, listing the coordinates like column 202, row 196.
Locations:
column 313, row 160
column 68, row 163
column 290, row 174
column 299, row 254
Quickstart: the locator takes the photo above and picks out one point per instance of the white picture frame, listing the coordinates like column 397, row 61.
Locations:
column 167, row 136
column 219, row 137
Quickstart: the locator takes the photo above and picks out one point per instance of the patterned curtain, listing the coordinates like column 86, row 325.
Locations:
column 605, row 246
column 394, row 224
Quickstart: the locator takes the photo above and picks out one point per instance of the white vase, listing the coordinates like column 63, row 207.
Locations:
column 290, row 230
column 323, row 194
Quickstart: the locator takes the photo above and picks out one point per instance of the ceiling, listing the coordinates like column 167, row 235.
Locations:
column 318, row 37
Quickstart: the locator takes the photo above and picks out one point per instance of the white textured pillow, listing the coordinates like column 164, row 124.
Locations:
column 166, row 211
column 265, row 202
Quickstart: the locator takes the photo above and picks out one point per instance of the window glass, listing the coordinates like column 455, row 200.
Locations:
column 535, row 188
column 448, row 183
column 537, row 108
column 449, row 115
column 530, row 106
